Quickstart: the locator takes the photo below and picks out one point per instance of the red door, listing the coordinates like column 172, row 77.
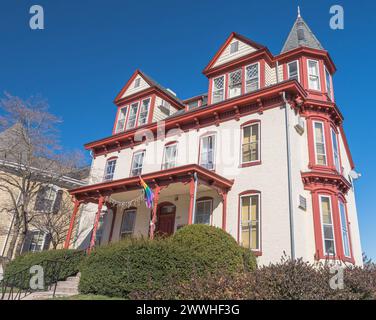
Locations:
column 166, row 219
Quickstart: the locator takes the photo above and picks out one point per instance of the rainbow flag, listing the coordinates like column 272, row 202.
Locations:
column 149, row 195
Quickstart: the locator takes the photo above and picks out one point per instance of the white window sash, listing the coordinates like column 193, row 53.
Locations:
column 220, row 91
column 314, row 77
column 170, row 155
column 344, row 229
column 144, row 112
column 137, row 164
column 257, row 142
column 324, row 143
column 235, row 90
column 327, row 224
column 133, row 109
column 130, row 229
column 121, row 119
column 207, row 154
column 289, row 75
column 254, row 79
column 204, row 216
column 109, row 170
column 335, row 151
column 328, row 83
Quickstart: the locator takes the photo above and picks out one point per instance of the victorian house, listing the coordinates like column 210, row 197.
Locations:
column 262, row 155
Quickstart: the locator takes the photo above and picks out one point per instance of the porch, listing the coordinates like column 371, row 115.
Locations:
column 182, row 195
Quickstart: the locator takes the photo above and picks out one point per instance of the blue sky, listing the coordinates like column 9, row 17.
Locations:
column 89, row 49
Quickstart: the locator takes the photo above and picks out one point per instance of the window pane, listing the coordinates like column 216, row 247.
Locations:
column 132, row 116
column 142, row 119
column 328, row 83
column 335, row 151
column 218, row 89
column 344, row 227
column 250, row 221
column 235, row 83
column 170, row 157
column 327, row 226
column 137, row 164
column 110, row 170
column 252, row 82
column 127, row 224
column 293, row 70
column 207, row 152
column 203, row 212
column 313, row 75
column 234, row 47
column 320, row 143
column 250, row 145
column 121, row 120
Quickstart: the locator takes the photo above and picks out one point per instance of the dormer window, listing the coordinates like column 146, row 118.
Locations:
column 252, row 78
column 137, row 82
column 132, row 115
column 235, row 83
column 218, row 89
column 313, row 75
column 293, row 70
column 234, row 47
column 144, row 111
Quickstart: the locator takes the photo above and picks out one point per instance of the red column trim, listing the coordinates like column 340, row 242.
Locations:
column 154, row 212
column 262, row 73
column 71, row 225
column 191, row 195
column 96, row 221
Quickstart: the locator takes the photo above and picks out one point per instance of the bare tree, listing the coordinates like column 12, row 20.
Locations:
column 30, row 159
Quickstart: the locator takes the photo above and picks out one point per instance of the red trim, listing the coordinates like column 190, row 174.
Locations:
column 249, row 122
column 114, row 214
column 191, row 198
column 71, row 225
column 128, row 83
column 170, row 143
column 262, row 73
column 96, row 222
column 250, row 164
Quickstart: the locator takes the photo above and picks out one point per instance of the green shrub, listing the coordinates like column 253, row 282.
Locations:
column 140, row 265
column 58, row 264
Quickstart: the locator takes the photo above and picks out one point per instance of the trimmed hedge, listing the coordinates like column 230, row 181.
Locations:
column 143, row 265
column 64, row 261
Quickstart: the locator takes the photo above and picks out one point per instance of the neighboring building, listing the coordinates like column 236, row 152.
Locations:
column 262, row 155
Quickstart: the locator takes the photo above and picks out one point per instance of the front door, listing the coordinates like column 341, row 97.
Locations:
column 166, row 219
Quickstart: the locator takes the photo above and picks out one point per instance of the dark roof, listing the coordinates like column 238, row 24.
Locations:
column 301, row 36
column 156, row 84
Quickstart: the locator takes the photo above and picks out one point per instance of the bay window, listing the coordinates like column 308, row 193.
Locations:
column 121, row 119
column 127, row 223
column 327, row 225
column 235, row 83
column 144, row 111
column 293, row 70
column 252, row 78
column 203, row 211
column 218, row 89
column 335, row 151
column 170, row 154
column 109, row 169
column 137, row 163
column 250, row 221
column 207, row 152
column 251, row 143
column 320, row 148
column 313, row 75
column 328, row 83
column 132, row 115
column 344, row 229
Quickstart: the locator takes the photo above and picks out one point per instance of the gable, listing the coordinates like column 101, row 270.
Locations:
column 226, row 55
column 131, row 89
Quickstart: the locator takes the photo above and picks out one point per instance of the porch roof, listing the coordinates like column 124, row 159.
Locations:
column 160, row 178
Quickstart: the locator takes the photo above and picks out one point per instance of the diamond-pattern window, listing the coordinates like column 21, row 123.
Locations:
column 218, row 89
column 252, row 82
column 235, row 83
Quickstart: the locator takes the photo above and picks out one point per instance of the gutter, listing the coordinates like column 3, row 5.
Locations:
column 289, row 179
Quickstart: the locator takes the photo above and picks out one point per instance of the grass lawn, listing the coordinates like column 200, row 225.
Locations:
column 88, row 297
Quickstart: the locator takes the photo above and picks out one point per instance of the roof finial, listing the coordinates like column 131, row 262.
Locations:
column 298, row 12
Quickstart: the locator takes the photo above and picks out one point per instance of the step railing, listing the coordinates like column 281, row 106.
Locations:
column 17, row 285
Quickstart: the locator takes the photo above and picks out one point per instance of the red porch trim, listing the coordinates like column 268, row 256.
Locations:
column 94, row 233
column 71, row 225
column 191, row 200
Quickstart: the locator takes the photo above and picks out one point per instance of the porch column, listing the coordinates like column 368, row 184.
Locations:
column 71, row 225
column 157, row 190
column 114, row 213
column 96, row 221
column 191, row 200
column 224, row 209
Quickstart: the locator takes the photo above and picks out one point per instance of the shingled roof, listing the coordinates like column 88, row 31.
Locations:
column 301, row 36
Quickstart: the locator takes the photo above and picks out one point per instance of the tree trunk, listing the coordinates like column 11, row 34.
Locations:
column 20, row 242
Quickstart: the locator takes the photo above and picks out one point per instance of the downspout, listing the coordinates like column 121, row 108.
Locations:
column 289, row 179
column 194, row 197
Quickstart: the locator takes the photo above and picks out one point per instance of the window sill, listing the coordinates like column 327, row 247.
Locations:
column 257, row 253
column 250, row 164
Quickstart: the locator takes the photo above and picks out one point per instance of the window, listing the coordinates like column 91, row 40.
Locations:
column 327, row 225
column 144, row 111
column 127, row 223
column 138, row 159
column 207, row 146
column 335, row 151
column 170, row 153
column 218, row 89
column 132, row 116
column 313, row 75
column 192, row 104
column 252, row 78
column 165, row 107
column 235, row 83
column 328, row 82
column 137, row 82
column 203, row 211
column 234, row 47
column 251, row 143
column 344, row 229
column 45, row 199
column 250, row 221
column 100, row 230
column 121, row 120
column 320, row 148
column 109, row 170
column 36, row 241
column 293, row 70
